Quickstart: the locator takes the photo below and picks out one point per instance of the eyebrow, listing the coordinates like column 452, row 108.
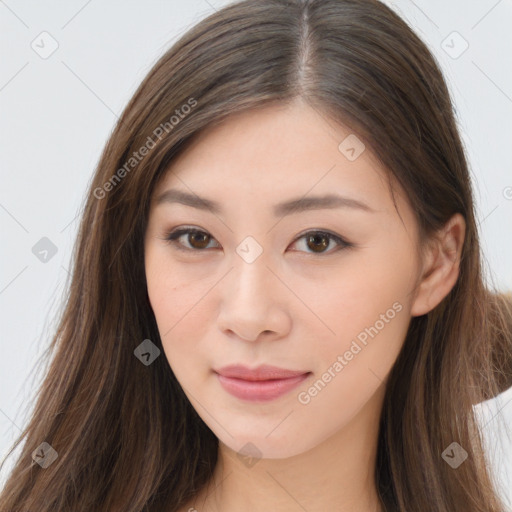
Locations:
column 300, row 204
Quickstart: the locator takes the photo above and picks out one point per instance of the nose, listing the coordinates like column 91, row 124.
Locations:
column 253, row 303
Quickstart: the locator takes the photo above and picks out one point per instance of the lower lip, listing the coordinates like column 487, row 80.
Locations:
column 262, row 390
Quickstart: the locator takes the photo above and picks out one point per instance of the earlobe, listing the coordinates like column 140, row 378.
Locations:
column 441, row 266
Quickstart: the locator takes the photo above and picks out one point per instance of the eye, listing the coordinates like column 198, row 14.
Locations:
column 318, row 241
column 198, row 240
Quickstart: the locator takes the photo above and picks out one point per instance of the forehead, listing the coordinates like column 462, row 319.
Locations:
column 275, row 153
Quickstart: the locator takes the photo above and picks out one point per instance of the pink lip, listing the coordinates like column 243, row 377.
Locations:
column 259, row 384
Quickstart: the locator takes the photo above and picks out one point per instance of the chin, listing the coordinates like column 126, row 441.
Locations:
column 257, row 445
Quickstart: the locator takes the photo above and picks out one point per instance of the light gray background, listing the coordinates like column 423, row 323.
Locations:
column 57, row 113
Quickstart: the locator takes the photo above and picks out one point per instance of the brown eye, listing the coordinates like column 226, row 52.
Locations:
column 197, row 240
column 318, row 242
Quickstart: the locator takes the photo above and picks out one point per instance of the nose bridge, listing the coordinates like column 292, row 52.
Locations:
column 251, row 263
column 249, row 304
column 250, row 279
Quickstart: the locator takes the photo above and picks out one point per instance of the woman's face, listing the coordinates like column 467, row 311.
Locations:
column 258, row 285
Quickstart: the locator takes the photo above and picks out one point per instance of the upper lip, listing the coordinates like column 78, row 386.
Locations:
column 263, row 372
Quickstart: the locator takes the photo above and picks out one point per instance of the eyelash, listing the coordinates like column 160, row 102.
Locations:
column 174, row 235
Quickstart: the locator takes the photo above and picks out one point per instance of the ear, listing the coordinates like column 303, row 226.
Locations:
column 440, row 266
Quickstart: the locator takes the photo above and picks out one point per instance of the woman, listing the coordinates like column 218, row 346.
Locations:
column 277, row 297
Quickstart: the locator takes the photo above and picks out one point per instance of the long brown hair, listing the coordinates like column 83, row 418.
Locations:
column 126, row 437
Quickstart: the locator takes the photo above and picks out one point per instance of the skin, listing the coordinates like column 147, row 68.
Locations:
column 296, row 306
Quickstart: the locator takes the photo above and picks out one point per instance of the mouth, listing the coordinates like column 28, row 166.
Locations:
column 260, row 384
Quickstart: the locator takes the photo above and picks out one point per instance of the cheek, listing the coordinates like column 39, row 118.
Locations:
column 180, row 318
column 182, row 311
column 170, row 292
column 363, row 313
column 352, row 364
column 180, row 307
